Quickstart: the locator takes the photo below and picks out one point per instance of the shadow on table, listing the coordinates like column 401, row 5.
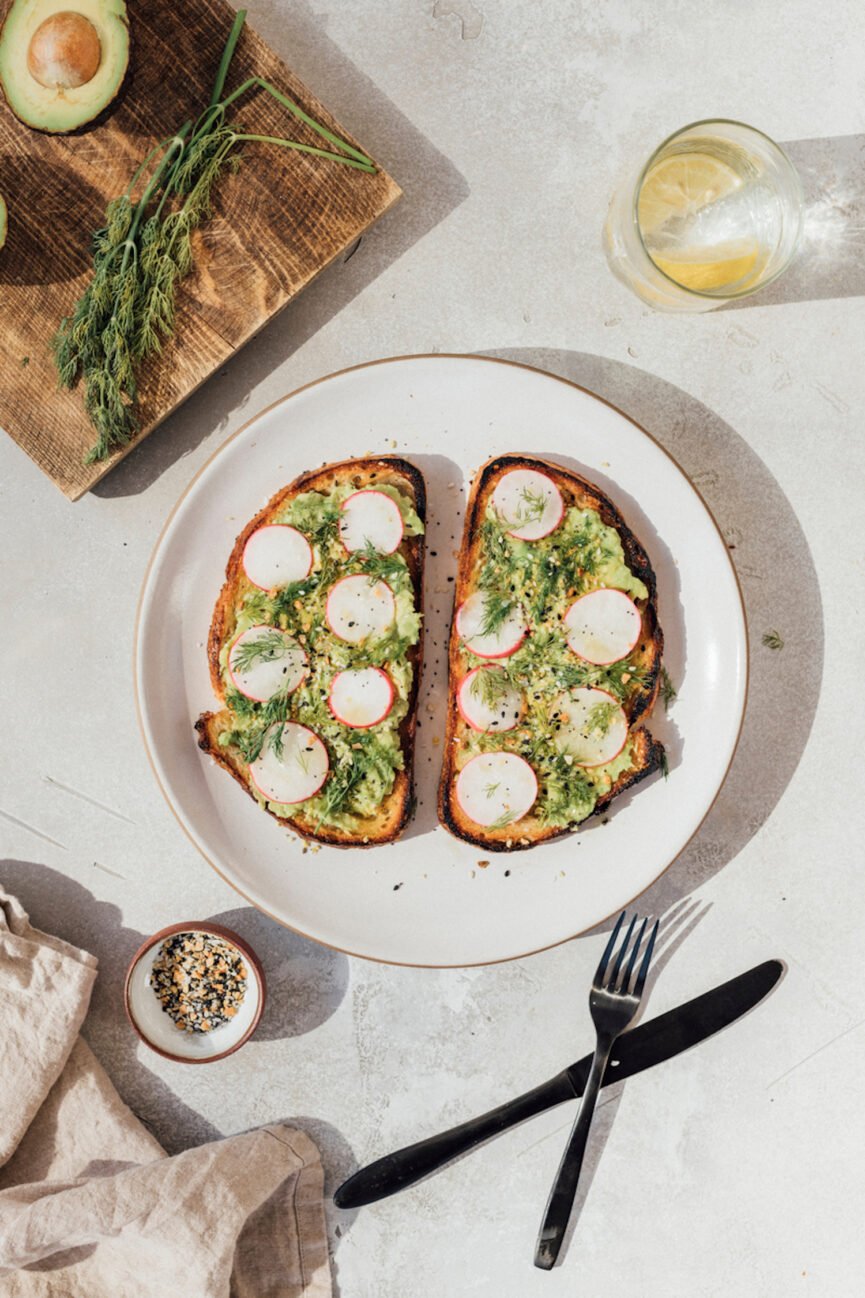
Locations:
column 432, row 189
column 780, row 590
column 831, row 259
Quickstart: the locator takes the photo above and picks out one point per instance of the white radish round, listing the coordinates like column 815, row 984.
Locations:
column 603, row 626
column 496, row 789
column 355, row 609
column 472, row 616
column 361, row 696
column 263, row 660
column 498, row 714
column 528, row 503
column 592, row 726
column 276, row 555
column 294, row 772
column 370, row 518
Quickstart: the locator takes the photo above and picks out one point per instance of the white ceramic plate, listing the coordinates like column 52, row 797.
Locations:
column 431, row 899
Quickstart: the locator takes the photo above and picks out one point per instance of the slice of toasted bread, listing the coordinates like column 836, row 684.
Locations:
column 647, row 754
column 394, row 811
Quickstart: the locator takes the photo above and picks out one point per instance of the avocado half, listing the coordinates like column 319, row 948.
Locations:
column 62, row 62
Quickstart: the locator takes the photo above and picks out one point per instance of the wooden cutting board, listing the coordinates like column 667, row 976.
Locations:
column 277, row 223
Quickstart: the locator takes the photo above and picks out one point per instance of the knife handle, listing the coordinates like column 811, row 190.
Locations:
column 398, row 1170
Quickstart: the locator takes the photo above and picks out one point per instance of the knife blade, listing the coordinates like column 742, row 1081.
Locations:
column 644, row 1046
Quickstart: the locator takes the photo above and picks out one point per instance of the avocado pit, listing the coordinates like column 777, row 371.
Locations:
column 65, row 52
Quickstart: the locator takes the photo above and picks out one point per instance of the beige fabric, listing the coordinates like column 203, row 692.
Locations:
column 90, row 1206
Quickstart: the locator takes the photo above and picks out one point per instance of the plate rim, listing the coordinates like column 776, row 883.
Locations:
column 304, row 387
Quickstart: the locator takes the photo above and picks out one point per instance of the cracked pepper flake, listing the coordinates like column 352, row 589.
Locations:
column 199, row 980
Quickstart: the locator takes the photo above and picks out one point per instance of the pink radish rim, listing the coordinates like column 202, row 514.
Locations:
column 504, row 654
column 255, row 697
column 373, row 491
column 529, row 539
column 596, row 689
column 265, row 528
column 353, row 576
column 476, row 757
column 368, row 724
column 500, row 730
column 606, row 662
column 294, row 802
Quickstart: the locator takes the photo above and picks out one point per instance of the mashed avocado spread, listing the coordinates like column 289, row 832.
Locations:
column 363, row 762
column 543, row 578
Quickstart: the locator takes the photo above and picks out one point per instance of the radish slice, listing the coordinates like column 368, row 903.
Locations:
column 496, row 788
column 370, row 518
column 593, row 727
column 501, row 643
column 603, row 626
column 361, row 697
column 297, row 772
column 502, row 715
column 276, row 555
column 355, row 609
column 279, row 664
column 529, row 504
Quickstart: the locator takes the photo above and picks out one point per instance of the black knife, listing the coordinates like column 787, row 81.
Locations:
column 643, row 1047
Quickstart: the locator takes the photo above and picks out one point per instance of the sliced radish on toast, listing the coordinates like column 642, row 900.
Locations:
column 276, row 555
column 528, row 503
column 264, row 660
column 294, row 771
column 361, row 696
column 592, row 726
column 370, row 518
column 488, row 704
column 496, row 789
column 603, row 626
column 357, row 608
column 473, row 617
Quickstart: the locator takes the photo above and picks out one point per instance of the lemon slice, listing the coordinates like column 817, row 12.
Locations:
column 709, row 269
column 680, row 185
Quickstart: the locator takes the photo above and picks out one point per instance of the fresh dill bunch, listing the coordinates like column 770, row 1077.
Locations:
column 144, row 249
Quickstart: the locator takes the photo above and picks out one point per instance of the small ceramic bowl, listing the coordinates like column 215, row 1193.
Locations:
column 157, row 1029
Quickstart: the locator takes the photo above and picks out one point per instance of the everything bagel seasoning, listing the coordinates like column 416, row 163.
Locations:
column 199, row 980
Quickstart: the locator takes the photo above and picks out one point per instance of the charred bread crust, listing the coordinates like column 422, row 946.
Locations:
column 394, row 813
column 648, row 752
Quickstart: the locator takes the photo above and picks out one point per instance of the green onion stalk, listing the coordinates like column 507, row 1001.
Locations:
column 144, row 250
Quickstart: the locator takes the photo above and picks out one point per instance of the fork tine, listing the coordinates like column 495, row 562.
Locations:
column 605, row 958
column 614, row 976
column 626, row 977
column 644, row 967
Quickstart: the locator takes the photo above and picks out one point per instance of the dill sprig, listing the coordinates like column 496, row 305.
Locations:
column 267, row 647
column 144, row 250
column 497, row 610
column 391, row 568
column 490, row 685
column 600, row 718
column 668, row 689
column 505, row 819
column 773, row 640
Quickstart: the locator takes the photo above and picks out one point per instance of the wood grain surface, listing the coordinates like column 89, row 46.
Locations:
column 278, row 222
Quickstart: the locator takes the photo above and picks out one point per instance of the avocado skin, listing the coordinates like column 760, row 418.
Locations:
column 50, row 111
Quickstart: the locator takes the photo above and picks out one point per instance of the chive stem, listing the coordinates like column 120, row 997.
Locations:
column 227, row 55
column 307, row 148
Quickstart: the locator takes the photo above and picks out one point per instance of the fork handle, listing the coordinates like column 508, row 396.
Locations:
column 563, row 1193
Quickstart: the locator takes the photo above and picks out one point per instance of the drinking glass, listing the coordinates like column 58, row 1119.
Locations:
column 714, row 214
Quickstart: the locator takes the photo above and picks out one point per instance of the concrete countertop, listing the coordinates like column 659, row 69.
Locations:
column 737, row 1170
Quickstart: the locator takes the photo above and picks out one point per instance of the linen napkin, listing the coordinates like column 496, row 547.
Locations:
column 90, row 1205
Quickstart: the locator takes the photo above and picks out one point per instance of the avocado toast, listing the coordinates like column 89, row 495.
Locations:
column 554, row 658
column 315, row 652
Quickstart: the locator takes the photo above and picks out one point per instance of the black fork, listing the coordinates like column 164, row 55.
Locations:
column 613, row 1002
